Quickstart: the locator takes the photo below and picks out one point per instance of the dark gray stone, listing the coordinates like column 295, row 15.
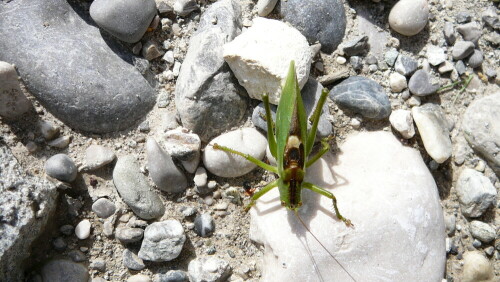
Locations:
column 132, row 261
column 129, row 235
column 173, row 276
column 460, row 67
column 405, row 65
column 449, row 33
column 66, row 229
column 476, row 59
column 77, row 256
column 482, row 130
column 311, row 93
column 59, row 244
column 317, row 20
column 204, row 225
column 463, row 17
column 163, row 241
column 470, row 32
column 70, row 68
column 362, row 95
column 207, row 95
column 462, row 49
column 356, row 46
column 356, row 62
column 61, row 167
column 420, row 84
column 134, row 190
column 162, row 169
column 127, row 20
column 62, row 270
column 103, row 208
column 185, row 7
column 490, row 18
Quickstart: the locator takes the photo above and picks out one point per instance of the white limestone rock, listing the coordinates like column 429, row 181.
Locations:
column 387, row 192
column 409, row 17
column 260, row 57
column 402, row 121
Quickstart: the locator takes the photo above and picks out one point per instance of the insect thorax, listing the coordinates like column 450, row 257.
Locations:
column 293, row 166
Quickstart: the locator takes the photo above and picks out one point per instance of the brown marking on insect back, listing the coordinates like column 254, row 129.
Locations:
column 293, row 163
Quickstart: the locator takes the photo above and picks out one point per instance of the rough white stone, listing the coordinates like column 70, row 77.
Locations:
column 475, row 192
column 432, row 125
column 13, row 102
column 260, row 57
column 387, row 192
column 224, row 164
column 476, row 267
column 435, row 55
column 97, row 156
column 402, row 121
column 397, row 82
column 265, row 7
column 82, row 230
column 409, row 17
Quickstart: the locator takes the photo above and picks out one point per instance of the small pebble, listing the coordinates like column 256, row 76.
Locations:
column 409, row 17
column 460, row 67
column 172, row 276
column 357, row 46
column 163, row 241
column 103, row 208
column 462, row 49
column 475, row 192
column 476, row 267
column 150, row 51
column 402, row 121
column 405, row 65
column 128, row 235
column 470, row 31
column 200, row 177
column 435, row 55
column 61, row 167
column 132, row 261
column 98, row 264
column 204, row 225
column 66, row 229
column 356, row 62
column 77, row 256
column 185, row 7
column 420, row 84
column 139, row 278
column 97, row 156
column 445, row 67
column 48, row 130
column 449, row 33
column 391, row 56
column 476, row 59
column 60, row 143
column 397, row 82
column 59, row 244
column 341, row 60
column 82, row 230
column 482, row 231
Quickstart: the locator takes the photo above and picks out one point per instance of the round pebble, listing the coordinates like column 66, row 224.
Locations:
column 482, row 231
column 163, row 241
column 128, row 235
column 61, row 167
column 132, row 261
column 103, row 208
column 97, row 156
column 204, row 225
column 402, row 121
column 82, row 230
column 397, row 82
column 409, row 17
column 476, row 268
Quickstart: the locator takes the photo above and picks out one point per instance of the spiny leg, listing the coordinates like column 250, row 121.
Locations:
column 247, row 157
column 271, row 138
column 328, row 194
column 325, row 147
column 260, row 193
column 315, row 120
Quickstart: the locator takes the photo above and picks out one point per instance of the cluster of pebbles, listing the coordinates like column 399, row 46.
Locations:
column 125, row 134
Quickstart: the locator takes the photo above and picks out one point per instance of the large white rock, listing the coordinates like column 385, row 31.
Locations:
column 387, row 192
column 260, row 57
column 409, row 17
column 224, row 164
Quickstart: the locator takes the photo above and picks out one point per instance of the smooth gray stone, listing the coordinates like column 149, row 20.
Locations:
column 475, row 192
column 482, row 231
column 463, row 17
column 162, row 169
column 128, row 235
column 59, row 244
column 173, row 276
column 62, row 270
column 103, row 208
column 127, row 20
column 449, row 33
column 420, row 84
column 204, row 225
column 470, row 32
column 163, row 241
column 362, row 95
column 310, row 96
column 68, row 66
column 391, row 56
column 460, row 67
column 134, row 190
column 356, row 63
column 462, row 49
column 77, row 256
column 61, row 167
column 13, row 102
column 357, row 46
column 491, row 18
column 482, row 129
column 317, row 20
column 132, row 261
column 405, row 65
column 476, row 59
column 207, row 95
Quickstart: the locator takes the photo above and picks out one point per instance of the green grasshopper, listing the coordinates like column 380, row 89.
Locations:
column 291, row 143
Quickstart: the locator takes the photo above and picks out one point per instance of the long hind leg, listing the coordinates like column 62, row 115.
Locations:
column 328, row 194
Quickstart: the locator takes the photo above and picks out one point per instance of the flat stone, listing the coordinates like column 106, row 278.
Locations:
column 356, row 46
column 134, row 190
column 172, row 276
column 317, row 20
column 409, row 231
column 405, row 65
column 490, row 18
column 397, row 82
column 127, row 20
column 476, row 268
column 163, row 241
column 132, row 261
column 362, row 95
column 61, row 167
column 64, row 270
column 445, row 67
column 103, row 208
column 184, row 146
column 224, row 164
column 482, row 231
column 265, row 7
column 13, row 102
column 482, row 130
column 420, row 84
column 460, row 67
column 475, row 192
column 435, row 55
column 402, row 121
column 163, row 170
column 98, row 264
column 21, row 224
column 433, row 128
column 470, row 32
column 129, row 235
column 209, row 269
column 462, row 49
column 97, row 156
column 409, row 17
column 449, row 33
column 476, row 59
column 205, row 87
column 310, row 96
column 78, row 96
column 260, row 57
column 391, row 56
column 463, row 17
column 60, row 142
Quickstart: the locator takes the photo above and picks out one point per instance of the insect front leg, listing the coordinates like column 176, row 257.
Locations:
column 260, row 193
column 328, row 194
column 247, row 157
column 325, row 147
column 315, row 120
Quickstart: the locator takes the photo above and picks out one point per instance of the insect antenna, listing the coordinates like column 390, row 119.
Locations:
column 323, row 246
